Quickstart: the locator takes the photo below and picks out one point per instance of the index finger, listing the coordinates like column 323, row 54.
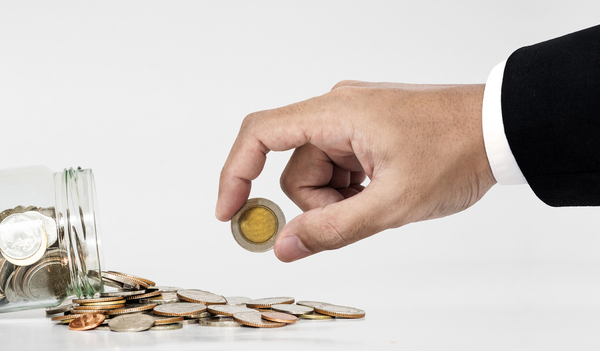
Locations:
column 280, row 129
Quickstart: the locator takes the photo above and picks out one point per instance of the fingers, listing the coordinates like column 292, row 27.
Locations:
column 337, row 224
column 312, row 180
column 280, row 129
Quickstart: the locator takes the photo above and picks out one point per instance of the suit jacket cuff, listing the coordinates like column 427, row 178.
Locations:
column 501, row 159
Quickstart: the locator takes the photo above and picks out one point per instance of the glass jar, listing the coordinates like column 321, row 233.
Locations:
column 49, row 242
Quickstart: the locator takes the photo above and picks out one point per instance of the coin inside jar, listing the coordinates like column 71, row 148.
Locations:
column 256, row 225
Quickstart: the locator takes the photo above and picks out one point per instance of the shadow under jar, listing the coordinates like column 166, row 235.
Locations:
column 49, row 242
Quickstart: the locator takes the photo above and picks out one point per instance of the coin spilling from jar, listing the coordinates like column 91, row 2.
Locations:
column 137, row 304
column 32, row 266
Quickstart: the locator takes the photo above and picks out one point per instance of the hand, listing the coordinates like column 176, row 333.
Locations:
column 420, row 145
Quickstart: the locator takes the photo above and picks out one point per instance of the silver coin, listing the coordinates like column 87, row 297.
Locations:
column 165, row 289
column 269, row 301
column 201, row 296
column 340, row 311
column 10, row 293
column 48, row 223
column 47, row 280
column 296, row 310
column 173, row 326
column 125, row 283
column 103, row 327
column 65, row 306
column 312, row 304
column 247, row 241
column 131, row 322
column 253, row 319
column 162, row 299
column 237, row 300
column 222, row 321
column 180, row 309
column 5, row 214
column 122, row 293
column 229, row 310
column 18, row 209
column 6, row 268
column 189, row 321
column 20, row 236
column 199, row 315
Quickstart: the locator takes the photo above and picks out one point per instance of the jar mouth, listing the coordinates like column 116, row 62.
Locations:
column 76, row 216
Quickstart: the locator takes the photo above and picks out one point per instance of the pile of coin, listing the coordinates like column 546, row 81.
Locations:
column 31, row 267
column 137, row 304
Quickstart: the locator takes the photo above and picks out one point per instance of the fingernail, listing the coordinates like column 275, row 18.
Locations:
column 291, row 249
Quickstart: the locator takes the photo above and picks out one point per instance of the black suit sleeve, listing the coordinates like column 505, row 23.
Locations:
column 551, row 113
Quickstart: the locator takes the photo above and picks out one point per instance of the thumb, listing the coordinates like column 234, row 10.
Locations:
column 336, row 225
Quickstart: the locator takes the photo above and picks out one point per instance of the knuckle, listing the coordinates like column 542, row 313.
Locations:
column 250, row 121
column 344, row 83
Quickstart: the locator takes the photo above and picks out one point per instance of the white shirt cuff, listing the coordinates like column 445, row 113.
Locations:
column 503, row 163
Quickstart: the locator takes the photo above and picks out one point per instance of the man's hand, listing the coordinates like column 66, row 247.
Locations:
column 420, row 145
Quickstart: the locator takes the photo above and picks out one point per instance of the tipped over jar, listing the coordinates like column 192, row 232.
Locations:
column 49, row 241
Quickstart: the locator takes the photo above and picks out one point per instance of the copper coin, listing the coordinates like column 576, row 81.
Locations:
column 99, row 308
column 67, row 316
column 139, row 308
column 144, row 296
column 279, row 317
column 269, row 301
column 101, row 299
column 254, row 319
column 87, row 322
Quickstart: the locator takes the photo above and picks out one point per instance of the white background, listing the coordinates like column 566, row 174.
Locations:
column 150, row 95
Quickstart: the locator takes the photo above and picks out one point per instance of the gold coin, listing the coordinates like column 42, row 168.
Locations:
column 102, row 299
column 315, row 316
column 67, row 316
column 141, row 308
column 117, row 302
column 99, row 308
column 340, row 311
column 144, row 296
column 256, row 225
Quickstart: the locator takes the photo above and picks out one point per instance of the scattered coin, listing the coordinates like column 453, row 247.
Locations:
column 87, row 322
column 99, row 308
column 200, row 296
column 131, row 323
column 165, row 289
column 228, row 310
column 179, row 309
column 219, row 321
column 103, row 299
column 133, row 309
column 135, row 278
column 122, row 293
column 119, row 281
column 68, row 316
column 107, row 303
column 312, row 304
column 65, row 306
column 279, row 317
column 340, row 311
column 190, row 321
column 158, row 320
column 253, row 319
column 269, row 301
column 173, row 326
column 315, row 316
column 257, row 224
column 144, row 296
column 296, row 310
column 237, row 300
column 199, row 315
column 162, row 299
